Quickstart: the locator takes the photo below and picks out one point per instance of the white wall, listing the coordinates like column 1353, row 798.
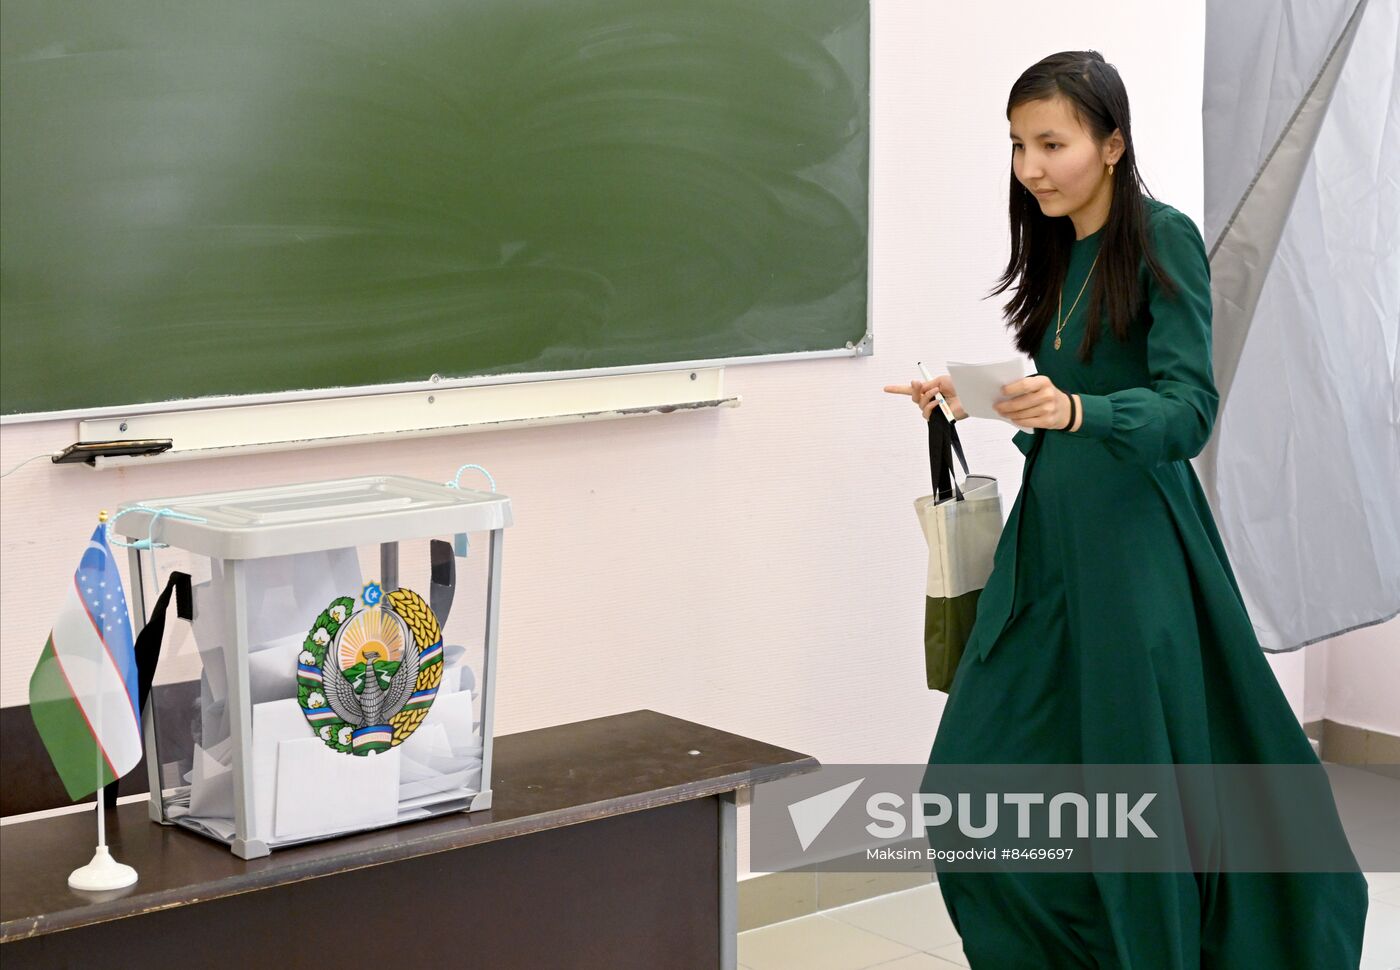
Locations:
column 1353, row 679
column 756, row 569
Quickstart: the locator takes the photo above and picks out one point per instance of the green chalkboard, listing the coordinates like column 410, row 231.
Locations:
column 249, row 196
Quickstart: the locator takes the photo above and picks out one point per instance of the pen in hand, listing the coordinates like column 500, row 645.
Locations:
column 942, row 404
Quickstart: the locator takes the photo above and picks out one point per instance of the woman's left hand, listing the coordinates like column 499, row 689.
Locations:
column 1034, row 402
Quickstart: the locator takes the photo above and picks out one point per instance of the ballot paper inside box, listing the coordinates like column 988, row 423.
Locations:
column 344, row 636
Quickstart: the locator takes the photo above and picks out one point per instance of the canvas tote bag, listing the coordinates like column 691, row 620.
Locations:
column 962, row 525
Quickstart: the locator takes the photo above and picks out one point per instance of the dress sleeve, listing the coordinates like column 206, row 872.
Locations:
column 1023, row 440
column 1171, row 419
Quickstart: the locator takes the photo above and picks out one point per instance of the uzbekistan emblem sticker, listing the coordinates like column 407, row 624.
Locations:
column 365, row 679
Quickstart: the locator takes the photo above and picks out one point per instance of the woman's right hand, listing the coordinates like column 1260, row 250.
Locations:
column 923, row 392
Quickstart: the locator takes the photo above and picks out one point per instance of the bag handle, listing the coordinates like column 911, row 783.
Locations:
column 942, row 443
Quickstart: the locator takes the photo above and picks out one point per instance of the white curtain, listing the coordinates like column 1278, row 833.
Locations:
column 1301, row 121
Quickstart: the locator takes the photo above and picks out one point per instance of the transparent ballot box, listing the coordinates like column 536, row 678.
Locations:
column 338, row 670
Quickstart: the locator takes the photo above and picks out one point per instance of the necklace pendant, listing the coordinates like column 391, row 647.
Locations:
column 1057, row 343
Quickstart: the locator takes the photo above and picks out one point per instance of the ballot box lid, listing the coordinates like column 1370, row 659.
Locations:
column 287, row 519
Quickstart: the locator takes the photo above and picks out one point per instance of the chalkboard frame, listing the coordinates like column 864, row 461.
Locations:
column 863, row 349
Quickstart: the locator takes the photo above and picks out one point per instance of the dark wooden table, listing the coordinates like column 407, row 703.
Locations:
column 610, row 844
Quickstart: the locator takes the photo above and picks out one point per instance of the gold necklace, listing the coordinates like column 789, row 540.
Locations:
column 1063, row 319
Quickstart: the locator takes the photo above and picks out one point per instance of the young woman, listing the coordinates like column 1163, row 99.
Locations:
column 1112, row 630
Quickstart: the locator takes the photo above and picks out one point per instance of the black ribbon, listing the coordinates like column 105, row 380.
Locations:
column 148, row 644
column 942, row 443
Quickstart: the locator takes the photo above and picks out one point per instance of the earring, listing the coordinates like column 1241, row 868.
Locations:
column 1110, row 170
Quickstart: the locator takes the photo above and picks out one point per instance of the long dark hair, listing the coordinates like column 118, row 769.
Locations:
column 1040, row 244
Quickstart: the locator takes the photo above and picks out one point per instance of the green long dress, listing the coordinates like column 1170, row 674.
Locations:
column 1112, row 631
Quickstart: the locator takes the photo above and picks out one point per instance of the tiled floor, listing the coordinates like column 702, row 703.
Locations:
column 911, row 931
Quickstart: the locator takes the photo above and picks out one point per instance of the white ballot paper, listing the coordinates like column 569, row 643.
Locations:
column 323, row 792
column 273, row 723
column 268, row 677
column 284, row 596
column 208, row 623
column 211, row 784
column 979, row 385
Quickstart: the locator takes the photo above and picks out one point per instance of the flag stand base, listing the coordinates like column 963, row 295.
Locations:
column 103, row 872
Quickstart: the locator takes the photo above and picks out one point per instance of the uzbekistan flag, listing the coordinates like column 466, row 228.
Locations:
column 82, row 695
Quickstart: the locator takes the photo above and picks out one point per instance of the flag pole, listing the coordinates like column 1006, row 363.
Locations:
column 103, row 872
